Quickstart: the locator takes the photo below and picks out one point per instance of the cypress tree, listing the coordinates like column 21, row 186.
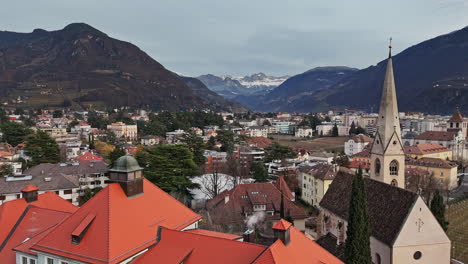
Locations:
column 438, row 210
column 352, row 130
column 335, row 131
column 357, row 248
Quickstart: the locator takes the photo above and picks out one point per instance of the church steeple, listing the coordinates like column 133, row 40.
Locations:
column 387, row 155
column 388, row 122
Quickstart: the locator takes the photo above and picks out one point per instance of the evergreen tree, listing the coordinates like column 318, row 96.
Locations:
column 360, row 130
column 259, row 172
column 115, row 154
column 357, row 248
column 211, row 143
column 438, row 209
column 41, row 148
column 276, row 151
column 169, row 167
column 352, row 130
column 195, row 144
column 14, row 133
column 335, row 131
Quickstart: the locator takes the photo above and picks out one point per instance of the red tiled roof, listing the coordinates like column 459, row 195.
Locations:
column 437, row 135
column 29, row 188
column 241, row 201
column 300, row 250
column 34, row 222
column 282, row 225
column 122, row 227
column 261, row 142
column 214, row 234
column 11, row 211
column 355, row 164
column 365, row 153
column 421, row 149
column 323, row 171
column 190, row 248
column 89, row 156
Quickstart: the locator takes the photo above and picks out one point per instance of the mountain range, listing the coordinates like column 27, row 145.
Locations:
column 80, row 66
column 231, row 87
column 430, row 77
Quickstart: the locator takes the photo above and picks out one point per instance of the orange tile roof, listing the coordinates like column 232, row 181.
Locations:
column 427, row 148
column 33, row 222
column 176, row 246
column 11, row 211
column 300, row 250
column 29, row 188
column 122, row 225
column 214, row 234
column 89, row 156
column 282, row 225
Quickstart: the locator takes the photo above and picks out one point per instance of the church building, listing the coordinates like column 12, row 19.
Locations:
column 403, row 229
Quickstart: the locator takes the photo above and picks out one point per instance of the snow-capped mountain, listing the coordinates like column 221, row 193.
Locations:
column 230, row 86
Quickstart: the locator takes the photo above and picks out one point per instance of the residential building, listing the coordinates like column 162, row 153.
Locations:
column 83, row 129
column 257, row 131
column 326, row 128
column 449, row 139
column 356, row 144
column 149, row 140
column 303, row 132
column 444, row 171
column 316, row 181
column 281, row 127
column 175, row 137
column 233, row 207
column 124, row 131
column 428, row 150
column 321, row 156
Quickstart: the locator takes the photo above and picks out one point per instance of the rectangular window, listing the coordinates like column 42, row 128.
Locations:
column 32, row 261
column 24, row 260
column 64, row 262
column 49, row 261
column 67, row 192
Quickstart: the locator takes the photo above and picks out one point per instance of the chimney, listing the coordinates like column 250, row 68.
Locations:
column 281, row 231
column 226, row 199
column 30, row 193
column 248, row 235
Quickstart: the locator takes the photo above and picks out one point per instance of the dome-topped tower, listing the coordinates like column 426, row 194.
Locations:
column 128, row 173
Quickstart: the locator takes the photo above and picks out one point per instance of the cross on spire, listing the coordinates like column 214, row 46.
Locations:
column 390, row 48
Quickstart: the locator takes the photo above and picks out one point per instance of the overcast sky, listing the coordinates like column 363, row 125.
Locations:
column 241, row 37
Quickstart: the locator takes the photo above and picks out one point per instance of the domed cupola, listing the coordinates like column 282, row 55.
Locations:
column 128, row 174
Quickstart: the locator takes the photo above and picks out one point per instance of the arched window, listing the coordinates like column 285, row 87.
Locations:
column 377, row 167
column 394, row 167
column 378, row 259
column 394, row 183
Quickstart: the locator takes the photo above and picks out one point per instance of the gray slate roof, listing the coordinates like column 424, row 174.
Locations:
column 61, row 177
column 388, row 205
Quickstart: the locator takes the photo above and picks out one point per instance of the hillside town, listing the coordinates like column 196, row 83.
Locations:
column 219, row 187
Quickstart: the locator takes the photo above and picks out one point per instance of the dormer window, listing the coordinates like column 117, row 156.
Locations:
column 79, row 232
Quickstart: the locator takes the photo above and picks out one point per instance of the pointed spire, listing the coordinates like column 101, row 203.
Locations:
column 388, row 122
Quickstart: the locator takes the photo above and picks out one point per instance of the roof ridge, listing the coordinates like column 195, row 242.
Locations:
column 109, row 220
column 215, row 237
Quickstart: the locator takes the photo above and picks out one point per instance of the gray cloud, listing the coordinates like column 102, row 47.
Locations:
column 244, row 36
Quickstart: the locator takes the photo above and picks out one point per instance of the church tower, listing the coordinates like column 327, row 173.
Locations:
column 387, row 155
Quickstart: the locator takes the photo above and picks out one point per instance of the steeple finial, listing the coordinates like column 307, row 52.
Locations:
column 390, row 48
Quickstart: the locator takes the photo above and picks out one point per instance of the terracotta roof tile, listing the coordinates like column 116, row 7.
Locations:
column 432, row 162
column 175, row 246
column 282, row 225
column 214, row 234
column 122, row 225
column 457, row 117
column 300, row 250
column 427, row 148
